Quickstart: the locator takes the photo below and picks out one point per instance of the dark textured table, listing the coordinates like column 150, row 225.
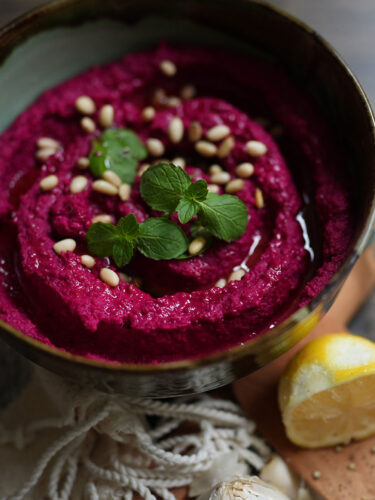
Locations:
column 348, row 26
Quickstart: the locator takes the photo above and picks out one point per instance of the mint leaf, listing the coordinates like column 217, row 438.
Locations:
column 186, row 209
column 118, row 150
column 225, row 216
column 197, row 190
column 107, row 240
column 128, row 226
column 188, row 206
column 100, row 239
column 122, row 252
column 163, row 185
column 161, row 239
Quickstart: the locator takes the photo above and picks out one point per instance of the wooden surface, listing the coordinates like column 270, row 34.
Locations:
column 257, row 395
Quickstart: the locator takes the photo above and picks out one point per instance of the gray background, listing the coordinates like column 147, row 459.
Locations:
column 348, row 25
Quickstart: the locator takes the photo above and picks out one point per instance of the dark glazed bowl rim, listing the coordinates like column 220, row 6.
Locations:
column 24, row 23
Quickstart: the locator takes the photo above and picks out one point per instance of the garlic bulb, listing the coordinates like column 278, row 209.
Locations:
column 244, row 488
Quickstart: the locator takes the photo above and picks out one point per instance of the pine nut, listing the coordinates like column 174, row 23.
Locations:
column 78, row 184
column 195, row 131
column 217, row 133
column 88, row 125
column 256, row 148
column 104, row 187
column 173, row 101
column 234, row 186
column 106, row 218
column 109, row 277
column 48, row 143
column 215, row 169
column 67, row 245
column 143, row 168
column 220, row 178
column 111, row 177
column 176, row 130
column 205, row 148
column 179, row 162
column 225, row 147
column 85, row 105
column 245, row 170
column 148, row 113
column 160, row 160
column 106, row 116
column 45, row 153
column 88, row 261
column 49, row 182
column 124, row 277
column 155, row 147
column 259, row 199
column 125, row 191
column 236, row 275
column 188, row 92
column 213, row 188
column 168, row 68
column 83, row 163
column 221, row 283
column 197, row 245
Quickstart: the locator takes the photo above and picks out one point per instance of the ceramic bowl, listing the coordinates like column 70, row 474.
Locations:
column 64, row 37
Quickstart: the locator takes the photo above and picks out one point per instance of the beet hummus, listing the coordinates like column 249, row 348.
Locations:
column 276, row 144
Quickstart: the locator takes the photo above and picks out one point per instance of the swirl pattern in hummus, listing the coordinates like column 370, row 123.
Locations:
column 177, row 312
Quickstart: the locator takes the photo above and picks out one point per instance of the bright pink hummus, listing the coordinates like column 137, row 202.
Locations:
column 291, row 248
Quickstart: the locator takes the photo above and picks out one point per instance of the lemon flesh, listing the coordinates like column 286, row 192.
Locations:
column 327, row 393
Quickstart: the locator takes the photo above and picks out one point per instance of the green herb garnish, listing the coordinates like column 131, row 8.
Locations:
column 119, row 150
column 155, row 238
column 169, row 189
column 165, row 188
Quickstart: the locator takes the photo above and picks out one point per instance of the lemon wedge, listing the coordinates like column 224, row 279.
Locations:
column 327, row 392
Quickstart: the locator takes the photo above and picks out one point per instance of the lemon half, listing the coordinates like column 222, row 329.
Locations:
column 327, row 392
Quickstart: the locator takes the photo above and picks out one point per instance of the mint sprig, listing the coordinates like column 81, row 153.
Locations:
column 163, row 186
column 168, row 188
column 119, row 150
column 155, row 238
column 161, row 239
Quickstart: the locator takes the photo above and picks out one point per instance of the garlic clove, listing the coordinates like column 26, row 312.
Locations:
column 225, row 465
column 244, row 488
column 277, row 473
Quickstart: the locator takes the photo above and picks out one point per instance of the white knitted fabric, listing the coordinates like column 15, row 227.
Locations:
column 59, row 440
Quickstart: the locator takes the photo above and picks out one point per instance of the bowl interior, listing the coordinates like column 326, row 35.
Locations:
column 52, row 56
column 65, row 38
